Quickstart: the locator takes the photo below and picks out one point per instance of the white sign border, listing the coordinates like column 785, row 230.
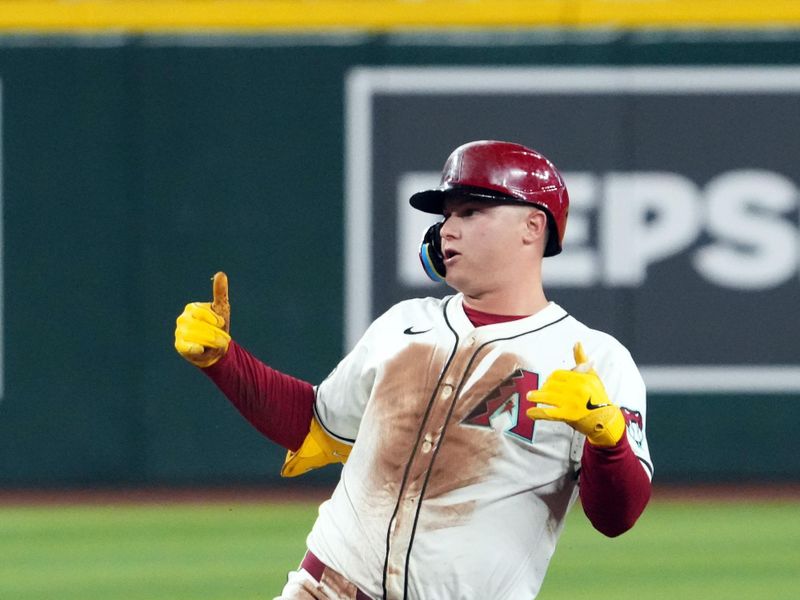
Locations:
column 362, row 83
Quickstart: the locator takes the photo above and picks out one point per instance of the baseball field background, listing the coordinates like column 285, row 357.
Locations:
column 212, row 548
column 145, row 145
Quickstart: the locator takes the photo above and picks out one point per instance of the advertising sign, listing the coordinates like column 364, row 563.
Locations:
column 682, row 239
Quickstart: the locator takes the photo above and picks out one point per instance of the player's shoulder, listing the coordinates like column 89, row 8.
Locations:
column 413, row 311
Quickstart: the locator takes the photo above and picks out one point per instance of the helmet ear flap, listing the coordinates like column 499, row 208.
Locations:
column 430, row 253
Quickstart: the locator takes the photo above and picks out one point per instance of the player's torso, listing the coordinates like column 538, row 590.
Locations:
column 447, row 406
column 447, row 463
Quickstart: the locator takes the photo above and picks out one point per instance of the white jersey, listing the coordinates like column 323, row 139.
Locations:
column 451, row 491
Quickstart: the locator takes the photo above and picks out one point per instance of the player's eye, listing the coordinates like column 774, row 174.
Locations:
column 461, row 212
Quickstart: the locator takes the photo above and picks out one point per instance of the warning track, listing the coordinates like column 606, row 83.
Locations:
column 783, row 492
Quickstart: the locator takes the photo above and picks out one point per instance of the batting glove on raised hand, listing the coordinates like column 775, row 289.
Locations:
column 578, row 398
column 202, row 334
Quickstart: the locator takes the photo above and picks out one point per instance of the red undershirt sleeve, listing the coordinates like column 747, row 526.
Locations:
column 614, row 488
column 278, row 405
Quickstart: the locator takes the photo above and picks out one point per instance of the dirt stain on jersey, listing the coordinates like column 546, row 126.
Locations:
column 404, row 441
column 466, row 452
column 394, row 416
column 336, row 586
column 438, row 516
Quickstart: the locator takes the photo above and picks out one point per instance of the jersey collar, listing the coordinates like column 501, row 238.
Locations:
column 454, row 310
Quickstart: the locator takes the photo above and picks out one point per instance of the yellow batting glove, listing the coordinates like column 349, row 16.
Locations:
column 202, row 332
column 318, row 449
column 578, row 398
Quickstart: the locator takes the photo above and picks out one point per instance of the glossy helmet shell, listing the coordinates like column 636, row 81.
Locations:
column 503, row 172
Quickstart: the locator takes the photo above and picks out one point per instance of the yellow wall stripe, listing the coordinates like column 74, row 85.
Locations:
column 383, row 15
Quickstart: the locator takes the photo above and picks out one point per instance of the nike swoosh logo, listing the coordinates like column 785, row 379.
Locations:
column 591, row 406
column 410, row 331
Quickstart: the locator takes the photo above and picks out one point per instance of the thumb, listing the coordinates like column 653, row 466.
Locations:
column 582, row 364
column 221, row 305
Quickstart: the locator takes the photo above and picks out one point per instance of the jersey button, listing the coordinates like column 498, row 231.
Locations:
column 427, row 444
column 447, row 390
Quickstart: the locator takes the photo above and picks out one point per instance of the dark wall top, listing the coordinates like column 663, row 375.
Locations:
column 133, row 168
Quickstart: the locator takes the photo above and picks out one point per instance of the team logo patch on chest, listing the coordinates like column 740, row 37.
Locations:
column 505, row 406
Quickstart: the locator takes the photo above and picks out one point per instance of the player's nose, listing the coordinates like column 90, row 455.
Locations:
column 449, row 229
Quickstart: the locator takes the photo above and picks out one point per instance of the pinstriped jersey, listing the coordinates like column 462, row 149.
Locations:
column 450, row 490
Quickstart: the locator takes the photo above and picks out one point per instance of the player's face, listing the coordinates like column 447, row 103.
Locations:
column 482, row 244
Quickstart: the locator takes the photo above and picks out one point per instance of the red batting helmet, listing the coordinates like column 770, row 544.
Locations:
column 502, row 172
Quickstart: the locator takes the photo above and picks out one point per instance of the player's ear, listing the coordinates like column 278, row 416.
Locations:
column 536, row 227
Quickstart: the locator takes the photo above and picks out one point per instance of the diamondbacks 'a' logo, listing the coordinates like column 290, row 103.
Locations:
column 509, row 402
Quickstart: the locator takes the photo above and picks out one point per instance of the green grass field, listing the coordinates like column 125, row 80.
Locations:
column 678, row 550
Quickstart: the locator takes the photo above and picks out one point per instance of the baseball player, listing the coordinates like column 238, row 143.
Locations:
column 469, row 424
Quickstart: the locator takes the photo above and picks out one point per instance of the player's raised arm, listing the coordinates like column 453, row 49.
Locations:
column 277, row 404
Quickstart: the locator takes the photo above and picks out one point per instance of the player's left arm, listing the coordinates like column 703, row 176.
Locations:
column 614, row 489
column 614, row 482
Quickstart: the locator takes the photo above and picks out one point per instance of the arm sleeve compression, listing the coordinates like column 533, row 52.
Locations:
column 278, row 405
column 614, row 487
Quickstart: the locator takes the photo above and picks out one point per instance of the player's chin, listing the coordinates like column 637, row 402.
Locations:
column 457, row 279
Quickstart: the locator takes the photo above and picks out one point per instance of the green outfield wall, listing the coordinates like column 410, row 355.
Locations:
column 134, row 166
